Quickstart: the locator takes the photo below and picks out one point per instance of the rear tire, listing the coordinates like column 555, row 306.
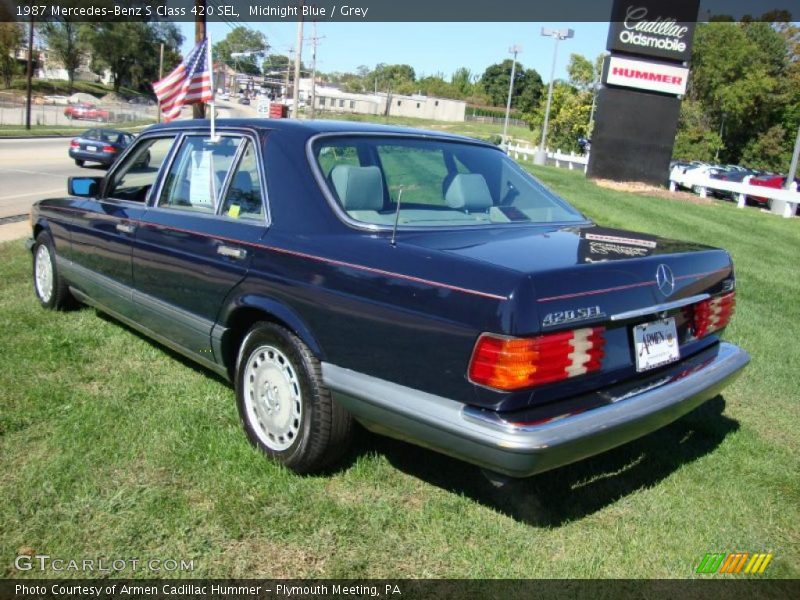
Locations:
column 79, row 162
column 50, row 288
column 285, row 409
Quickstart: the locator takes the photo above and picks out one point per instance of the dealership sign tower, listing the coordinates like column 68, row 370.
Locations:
column 643, row 79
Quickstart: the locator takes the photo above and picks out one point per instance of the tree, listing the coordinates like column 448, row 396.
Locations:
column 581, row 72
column 10, row 41
column 397, row 78
column 242, row 39
column 64, row 42
column 130, row 50
column 528, row 85
column 463, row 82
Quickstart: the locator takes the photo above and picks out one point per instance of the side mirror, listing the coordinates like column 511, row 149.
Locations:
column 85, row 187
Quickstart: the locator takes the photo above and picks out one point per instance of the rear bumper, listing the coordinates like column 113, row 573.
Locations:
column 100, row 157
column 486, row 439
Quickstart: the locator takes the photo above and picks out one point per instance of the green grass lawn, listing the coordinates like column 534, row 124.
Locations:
column 111, row 446
column 69, row 131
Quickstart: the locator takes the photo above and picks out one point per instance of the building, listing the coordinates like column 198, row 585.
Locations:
column 332, row 99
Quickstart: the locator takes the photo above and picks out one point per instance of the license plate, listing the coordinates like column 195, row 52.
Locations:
column 91, row 148
column 656, row 344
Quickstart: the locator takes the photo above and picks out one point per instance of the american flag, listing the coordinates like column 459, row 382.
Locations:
column 189, row 83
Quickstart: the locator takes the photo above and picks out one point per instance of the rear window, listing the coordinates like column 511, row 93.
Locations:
column 433, row 183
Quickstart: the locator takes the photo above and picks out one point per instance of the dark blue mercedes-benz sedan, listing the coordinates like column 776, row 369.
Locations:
column 421, row 284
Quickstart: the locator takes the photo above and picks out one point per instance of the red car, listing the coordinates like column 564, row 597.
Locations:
column 772, row 181
column 86, row 111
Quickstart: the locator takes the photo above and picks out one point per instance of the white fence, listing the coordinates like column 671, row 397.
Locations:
column 559, row 158
column 784, row 202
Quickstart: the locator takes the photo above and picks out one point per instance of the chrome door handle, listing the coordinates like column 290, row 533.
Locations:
column 125, row 228
column 231, row 252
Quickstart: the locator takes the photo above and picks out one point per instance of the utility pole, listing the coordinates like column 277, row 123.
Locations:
column 297, row 60
column 160, row 75
column 314, row 42
column 515, row 49
column 288, row 64
column 30, row 75
column 199, row 110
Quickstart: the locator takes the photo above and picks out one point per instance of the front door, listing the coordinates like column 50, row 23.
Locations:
column 105, row 227
column 196, row 240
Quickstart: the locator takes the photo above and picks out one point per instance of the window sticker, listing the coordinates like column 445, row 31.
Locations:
column 202, row 187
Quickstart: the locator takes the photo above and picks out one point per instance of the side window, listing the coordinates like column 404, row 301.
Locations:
column 244, row 199
column 135, row 177
column 198, row 173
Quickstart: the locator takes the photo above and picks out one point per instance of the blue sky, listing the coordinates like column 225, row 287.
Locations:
column 428, row 47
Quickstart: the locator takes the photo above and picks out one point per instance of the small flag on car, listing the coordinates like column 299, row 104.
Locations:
column 189, row 83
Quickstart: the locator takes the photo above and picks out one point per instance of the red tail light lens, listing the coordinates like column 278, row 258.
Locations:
column 505, row 363
column 74, row 144
column 109, row 149
column 713, row 314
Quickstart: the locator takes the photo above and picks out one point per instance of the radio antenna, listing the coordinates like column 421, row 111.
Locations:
column 393, row 241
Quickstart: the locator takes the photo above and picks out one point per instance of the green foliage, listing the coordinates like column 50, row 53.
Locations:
column 743, row 85
column 65, row 44
column 10, row 41
column 241, row 39
column 528, row 86
column 130, row 50
column 581, row 72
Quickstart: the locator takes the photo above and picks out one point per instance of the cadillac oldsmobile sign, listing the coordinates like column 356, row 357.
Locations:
column 652, row 28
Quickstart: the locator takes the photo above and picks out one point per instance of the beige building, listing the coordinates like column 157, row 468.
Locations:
column 331, row 99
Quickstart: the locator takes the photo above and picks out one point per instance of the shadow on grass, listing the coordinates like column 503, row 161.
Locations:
column 177, row 356
column 552, row 498
column 574, row 491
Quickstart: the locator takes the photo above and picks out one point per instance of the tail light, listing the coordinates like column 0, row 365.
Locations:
column 506, row 363
column 109, row 149
column 74, row 144
column 713, row 314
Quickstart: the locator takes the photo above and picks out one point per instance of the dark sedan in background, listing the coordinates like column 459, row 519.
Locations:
column 419, row 283
column 99, row 145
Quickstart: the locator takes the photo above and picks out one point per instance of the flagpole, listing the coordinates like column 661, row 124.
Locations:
column 211, row 104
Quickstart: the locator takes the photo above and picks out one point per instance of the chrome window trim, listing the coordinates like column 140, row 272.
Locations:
column 109, row 178
column 252, row 136
column 657, row 308
column 375, row 228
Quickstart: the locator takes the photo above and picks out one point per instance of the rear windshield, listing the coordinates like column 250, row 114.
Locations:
column 435, row 184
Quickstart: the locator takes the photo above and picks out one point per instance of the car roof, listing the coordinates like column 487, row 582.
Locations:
column 309, row 128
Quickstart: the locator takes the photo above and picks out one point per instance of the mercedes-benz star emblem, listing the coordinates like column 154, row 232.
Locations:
column 665, row 279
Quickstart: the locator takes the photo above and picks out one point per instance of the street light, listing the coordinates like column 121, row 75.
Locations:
column 515, row 49
column 540, row 158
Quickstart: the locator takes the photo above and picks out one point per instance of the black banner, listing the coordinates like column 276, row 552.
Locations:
column 358, row 10
column 251, row 589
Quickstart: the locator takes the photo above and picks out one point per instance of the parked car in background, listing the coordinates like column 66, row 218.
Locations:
column 244, row 100
column 87, row 112
column 99, row 145
column 770, row 181
column 420, row 283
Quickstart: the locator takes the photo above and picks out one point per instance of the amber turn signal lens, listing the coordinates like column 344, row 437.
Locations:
column 506, row 363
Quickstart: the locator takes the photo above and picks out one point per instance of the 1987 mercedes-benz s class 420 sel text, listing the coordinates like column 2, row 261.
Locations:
column 421, row 284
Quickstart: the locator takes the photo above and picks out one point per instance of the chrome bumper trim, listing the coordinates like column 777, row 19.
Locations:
column 657, row 308
column 484, row 439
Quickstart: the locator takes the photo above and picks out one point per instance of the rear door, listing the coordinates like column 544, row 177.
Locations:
column 196, row 240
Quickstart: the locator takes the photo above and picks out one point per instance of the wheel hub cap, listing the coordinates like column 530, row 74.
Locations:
column 44, row 273
column 273, row 398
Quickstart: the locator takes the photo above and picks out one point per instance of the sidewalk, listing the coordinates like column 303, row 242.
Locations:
column 15, row 231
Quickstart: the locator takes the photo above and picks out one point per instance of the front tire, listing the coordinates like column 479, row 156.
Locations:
column 50, row 288
column 285, row 409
